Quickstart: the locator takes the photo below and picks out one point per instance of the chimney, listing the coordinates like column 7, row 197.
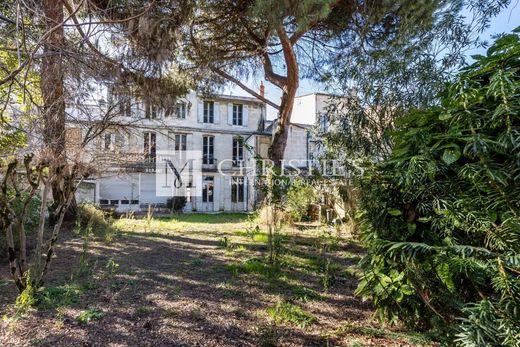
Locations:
column 262, row 89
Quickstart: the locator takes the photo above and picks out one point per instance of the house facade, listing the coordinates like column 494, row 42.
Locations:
column 225, row 133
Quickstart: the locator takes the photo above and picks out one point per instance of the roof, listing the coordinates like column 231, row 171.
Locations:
column 235, row 97
column 301, row 125
column 317, row 93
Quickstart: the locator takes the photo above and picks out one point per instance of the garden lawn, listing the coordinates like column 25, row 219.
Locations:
column 198, row 279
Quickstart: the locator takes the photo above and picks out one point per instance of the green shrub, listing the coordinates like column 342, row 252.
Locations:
column 299, row 198
column 54, row 297
column 285, row 312
column 176, row 203
column 92, row 219
column 441, row 217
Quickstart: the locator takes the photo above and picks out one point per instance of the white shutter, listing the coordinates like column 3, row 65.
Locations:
column 230, row 114
column 189, row 142
column 245, row 116
column 216, row 193
column 216, row 109
column 134, row 107
column 171, row 140
column 200, row 112
column 119, row 141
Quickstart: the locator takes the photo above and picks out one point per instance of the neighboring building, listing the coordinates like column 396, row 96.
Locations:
column 310, row 109
column 308, row 121
column 229, row 131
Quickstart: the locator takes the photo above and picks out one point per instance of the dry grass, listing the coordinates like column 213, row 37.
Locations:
column 200, row 280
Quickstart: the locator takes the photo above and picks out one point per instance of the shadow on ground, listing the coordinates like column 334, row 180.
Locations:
column 177, row 289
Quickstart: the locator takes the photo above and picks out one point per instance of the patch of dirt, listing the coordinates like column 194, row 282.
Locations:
column 176, row 289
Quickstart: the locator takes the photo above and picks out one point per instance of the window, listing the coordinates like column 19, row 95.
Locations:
column 125, row 202
column 207, row 189
column 103, row 201
column 207, row 149
column 324, row 123
column 108, row 144
column 237, row 189
column 151, row 111
column 238, row 151
column 180, row 142
column 149, row 145
column 180, row 110
column 209, row 112
column 238, row 111
column 124, row 106
column 114, row 202
column 134, row 202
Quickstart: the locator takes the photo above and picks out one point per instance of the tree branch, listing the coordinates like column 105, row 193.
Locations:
column 270, row 75
column 227, row 76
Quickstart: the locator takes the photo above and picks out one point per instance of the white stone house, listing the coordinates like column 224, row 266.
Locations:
column 227, row 130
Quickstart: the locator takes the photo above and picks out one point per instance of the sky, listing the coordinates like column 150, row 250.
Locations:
column 505, row 22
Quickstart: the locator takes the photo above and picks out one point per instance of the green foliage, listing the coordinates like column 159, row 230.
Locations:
column 143, row 310
column 60, row 296
column 93, row 220
column 255, row 266
column 26, row 299
column 441, row 216
column 31, row 222
column 269, row 336
column 111, row 267
column 176, row 203
column 90, row 315
column 299, row 197
column 286, row 312
column 305, row 294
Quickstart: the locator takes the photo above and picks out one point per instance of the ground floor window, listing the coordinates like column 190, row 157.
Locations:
column 207, row 189
column 237, row 189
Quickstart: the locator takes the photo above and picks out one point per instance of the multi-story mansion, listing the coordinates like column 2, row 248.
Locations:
column 228, row 131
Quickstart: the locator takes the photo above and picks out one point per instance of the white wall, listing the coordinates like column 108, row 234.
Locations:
column 308, row 107
column 296, row 149
column 304, row 110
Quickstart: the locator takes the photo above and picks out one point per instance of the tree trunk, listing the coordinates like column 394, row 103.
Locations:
column 52, row 89
column 277, row 148
column 289, row 88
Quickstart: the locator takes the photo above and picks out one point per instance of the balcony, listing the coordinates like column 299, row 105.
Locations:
column 238, row 163
column 128, row 161
column 209, row 163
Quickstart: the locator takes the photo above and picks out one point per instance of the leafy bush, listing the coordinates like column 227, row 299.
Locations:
column 176, row 203
column 91, row 216
column 299, row 198
column 441, row 217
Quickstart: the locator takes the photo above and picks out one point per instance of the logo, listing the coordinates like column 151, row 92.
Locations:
column 178, row 173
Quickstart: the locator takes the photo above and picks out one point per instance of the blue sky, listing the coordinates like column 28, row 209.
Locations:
column 506, row 21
